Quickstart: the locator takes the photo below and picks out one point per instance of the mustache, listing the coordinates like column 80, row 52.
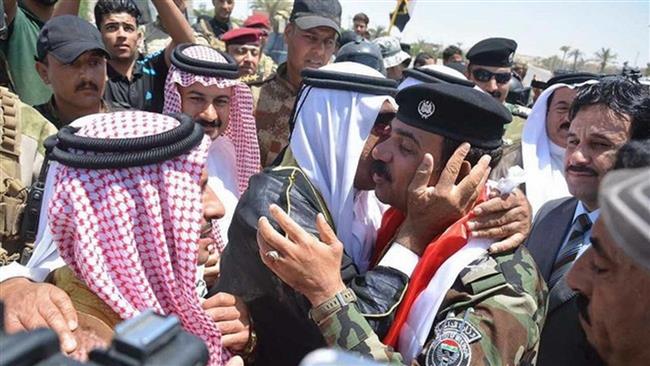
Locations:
column 582, row 302
column 580, row 169
column 206, row 231
column 496, row 94
column 215, row 123
column 381, row 169
column 86, row 85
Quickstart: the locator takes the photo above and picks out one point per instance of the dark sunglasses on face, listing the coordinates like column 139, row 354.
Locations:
column 484, row 75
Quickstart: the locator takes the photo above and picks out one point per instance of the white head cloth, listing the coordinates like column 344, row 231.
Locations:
column 410, row 81
column 238, row 143
column 330, row 131
column 543, row 160
column 131, row 235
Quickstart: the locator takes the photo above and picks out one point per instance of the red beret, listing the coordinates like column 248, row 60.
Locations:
column 242, row 36
column 257, row 20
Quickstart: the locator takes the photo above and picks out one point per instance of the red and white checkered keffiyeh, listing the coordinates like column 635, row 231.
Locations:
column 241, row 129
column 132, row 234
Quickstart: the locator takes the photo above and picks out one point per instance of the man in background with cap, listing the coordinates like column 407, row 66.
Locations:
column 245, row 46
column 603, row 118
column 612, row 277
column 490, row 67
column 311, row 41
column 213, row 27
column 71, row 58
column 541, row 149
column 266, row 67
column 394, row 57
column 475, row 306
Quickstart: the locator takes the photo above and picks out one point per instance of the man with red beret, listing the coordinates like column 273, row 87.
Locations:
column 266, row 67
column 245, row 46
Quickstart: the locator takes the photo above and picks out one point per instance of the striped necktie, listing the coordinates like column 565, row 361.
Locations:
column 569, row 252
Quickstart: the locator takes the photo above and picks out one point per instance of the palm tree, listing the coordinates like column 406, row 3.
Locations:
column 575, row 53
column 564, row 50
column 276, row 9
column 605, row 56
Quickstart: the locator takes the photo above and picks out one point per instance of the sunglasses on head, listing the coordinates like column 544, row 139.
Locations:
column 484, row 75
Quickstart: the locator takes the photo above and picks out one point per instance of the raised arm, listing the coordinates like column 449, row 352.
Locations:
column 176, row 25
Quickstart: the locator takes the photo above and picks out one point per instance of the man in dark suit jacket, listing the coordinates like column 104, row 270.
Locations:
column 601, row 122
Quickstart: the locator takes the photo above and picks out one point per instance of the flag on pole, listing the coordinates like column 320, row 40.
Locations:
column 401, row 15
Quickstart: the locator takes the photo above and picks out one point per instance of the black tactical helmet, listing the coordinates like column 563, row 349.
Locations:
column 363, row 52
column 518, row 94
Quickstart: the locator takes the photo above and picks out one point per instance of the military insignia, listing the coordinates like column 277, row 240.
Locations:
column 426, row 108
column 451, row 347
column 511, row 57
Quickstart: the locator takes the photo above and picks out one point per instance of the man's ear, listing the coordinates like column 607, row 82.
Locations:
column 465, row 168
column 41, row 69
column 288, row 30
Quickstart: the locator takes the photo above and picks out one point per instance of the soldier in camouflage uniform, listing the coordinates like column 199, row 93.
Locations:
column 22, row 132
column 211, row 28
column 493, row 309
column 266, row 67
column 311, row 42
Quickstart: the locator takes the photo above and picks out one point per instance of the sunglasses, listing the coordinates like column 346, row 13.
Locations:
column 484, row 75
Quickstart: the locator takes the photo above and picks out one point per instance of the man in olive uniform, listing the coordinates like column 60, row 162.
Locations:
column 471, row 307
column 311, row 42
column 490, row 67
column 213, row 27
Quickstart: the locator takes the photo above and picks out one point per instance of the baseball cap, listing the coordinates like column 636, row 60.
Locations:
column 67, row 37
column 308, row 14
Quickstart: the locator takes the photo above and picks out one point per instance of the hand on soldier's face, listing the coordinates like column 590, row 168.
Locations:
column 431, row 209
column 307, row 264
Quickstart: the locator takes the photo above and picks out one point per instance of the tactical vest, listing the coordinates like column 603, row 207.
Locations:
column 13, row 195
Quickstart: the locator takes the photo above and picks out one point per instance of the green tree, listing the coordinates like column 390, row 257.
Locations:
column 604, row 56
column 575, row 53
column 564, row 50
column 551, row 63
column 424, row 46
column 278, row 10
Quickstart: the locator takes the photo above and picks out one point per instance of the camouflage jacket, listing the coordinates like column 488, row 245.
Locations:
column 155, row 38
column 516, row 127
column 492, row 315
column 265, row 68
column 211, row 30
column 274, row 102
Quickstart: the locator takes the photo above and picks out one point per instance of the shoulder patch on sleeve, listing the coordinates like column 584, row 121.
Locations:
column 451, row 347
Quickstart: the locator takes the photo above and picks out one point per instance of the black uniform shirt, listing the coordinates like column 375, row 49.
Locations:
column 146, row 89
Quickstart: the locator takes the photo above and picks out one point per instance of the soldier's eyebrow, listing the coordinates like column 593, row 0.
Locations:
column 407, row 135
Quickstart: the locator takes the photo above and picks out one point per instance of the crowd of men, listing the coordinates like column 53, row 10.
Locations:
column 352, row 197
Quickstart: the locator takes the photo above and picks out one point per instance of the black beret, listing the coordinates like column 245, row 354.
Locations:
column 454, row 111
column 433, row 76
column 498, row 52
column 572, row 78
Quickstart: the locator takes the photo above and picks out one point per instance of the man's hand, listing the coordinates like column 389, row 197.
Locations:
column 211, row 273
column 30, row 305
column 310, row 266
column 504, row 218
column 231, row 315
column 431, row 209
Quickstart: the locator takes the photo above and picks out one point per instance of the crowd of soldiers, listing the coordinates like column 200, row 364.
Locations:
column 352, row 197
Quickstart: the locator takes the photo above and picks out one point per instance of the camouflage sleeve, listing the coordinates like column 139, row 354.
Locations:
column 348, row 329
column 499, row 325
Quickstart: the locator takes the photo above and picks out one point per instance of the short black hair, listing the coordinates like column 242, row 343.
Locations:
column 421, row 59
column 450, row 145
column 634, row 154
column 106, row 7
column 450, row 51
column 619, row 93
column 640, row 129
column 361, row 17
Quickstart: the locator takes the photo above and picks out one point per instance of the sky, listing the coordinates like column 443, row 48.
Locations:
column 539, row 27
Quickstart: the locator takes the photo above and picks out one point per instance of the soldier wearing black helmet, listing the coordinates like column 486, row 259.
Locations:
column 363, row 52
